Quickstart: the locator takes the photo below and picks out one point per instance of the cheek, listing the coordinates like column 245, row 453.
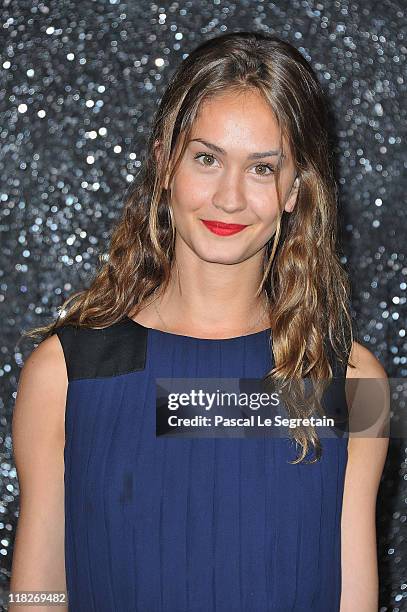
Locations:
column 190, row 191
column 266, row 212
column 266, row 209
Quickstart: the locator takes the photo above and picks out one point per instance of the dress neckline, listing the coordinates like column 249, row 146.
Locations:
column 167, row 333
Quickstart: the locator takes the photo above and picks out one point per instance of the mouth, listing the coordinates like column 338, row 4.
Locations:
column 223, row 229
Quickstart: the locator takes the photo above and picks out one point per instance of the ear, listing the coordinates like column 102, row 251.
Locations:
column 292, row 198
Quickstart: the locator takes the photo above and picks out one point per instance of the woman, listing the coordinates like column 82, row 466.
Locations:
column 222, row 265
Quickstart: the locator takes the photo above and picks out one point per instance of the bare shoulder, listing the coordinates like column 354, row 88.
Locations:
column 367, row 394
column 42, row 388
column 366, row 363
column 45, row 368
column 47, row 355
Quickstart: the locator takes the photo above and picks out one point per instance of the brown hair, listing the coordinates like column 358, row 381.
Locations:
column 307, row 289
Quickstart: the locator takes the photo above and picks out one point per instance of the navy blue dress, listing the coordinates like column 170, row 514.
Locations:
column 188, row 525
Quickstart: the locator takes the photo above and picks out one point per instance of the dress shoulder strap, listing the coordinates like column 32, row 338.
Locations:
column 99, row 353
column 334, row 398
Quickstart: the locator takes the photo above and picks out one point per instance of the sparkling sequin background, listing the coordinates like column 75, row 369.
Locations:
column 79, row 83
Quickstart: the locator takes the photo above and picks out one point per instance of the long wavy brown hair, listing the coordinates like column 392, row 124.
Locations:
column 307, row 288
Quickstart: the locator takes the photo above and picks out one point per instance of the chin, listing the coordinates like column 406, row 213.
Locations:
column 220, row 258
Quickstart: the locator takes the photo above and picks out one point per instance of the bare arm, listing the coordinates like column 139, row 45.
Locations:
column 366, row 458
column 38, row 448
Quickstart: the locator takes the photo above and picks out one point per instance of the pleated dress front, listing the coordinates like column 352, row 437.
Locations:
column 159, row 524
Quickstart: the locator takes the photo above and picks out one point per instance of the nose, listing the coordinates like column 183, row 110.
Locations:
column 229, row 195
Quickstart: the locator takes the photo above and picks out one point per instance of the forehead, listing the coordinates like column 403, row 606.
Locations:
column 239, row 120
column 239, row 112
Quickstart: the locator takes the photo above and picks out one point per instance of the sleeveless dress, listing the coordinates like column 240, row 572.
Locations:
column 158, row 524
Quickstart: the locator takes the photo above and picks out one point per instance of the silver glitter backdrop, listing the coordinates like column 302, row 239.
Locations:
column 79, row 83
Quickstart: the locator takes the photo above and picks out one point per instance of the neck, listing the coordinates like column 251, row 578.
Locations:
column 220, row 300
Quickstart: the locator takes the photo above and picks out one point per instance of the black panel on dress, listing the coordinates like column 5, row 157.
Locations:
column 99, row 353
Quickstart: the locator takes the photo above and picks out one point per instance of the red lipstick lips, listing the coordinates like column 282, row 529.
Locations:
column 223, row 229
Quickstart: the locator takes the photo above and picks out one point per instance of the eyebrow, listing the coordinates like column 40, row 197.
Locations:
column 217, row 149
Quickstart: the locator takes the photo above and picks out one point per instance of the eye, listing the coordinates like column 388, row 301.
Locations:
column 268, row 166
column 208, row 155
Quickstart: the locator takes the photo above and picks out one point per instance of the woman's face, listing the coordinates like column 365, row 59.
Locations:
column 225, row 179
